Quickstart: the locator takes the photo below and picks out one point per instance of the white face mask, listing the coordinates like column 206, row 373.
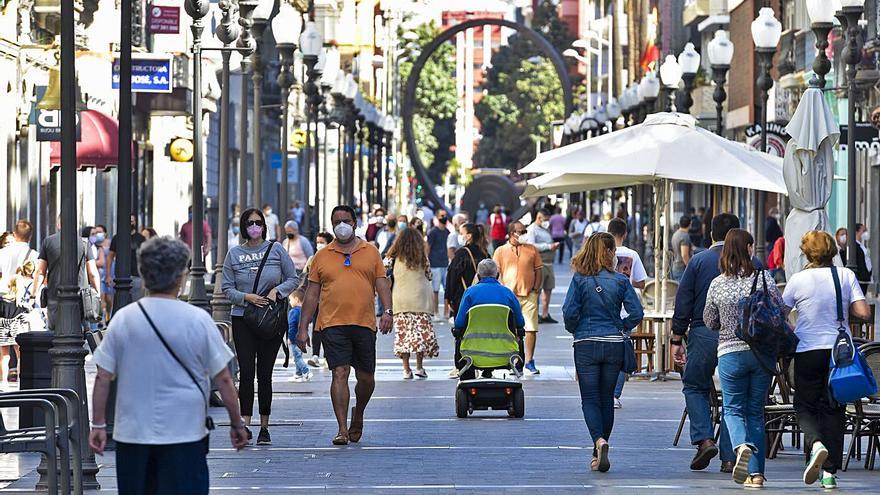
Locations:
column 865, row 236
column 267, row 211
column 320, row 246
column 343, row 231
column 545, row 224
column 843, row 240
column 461, row 240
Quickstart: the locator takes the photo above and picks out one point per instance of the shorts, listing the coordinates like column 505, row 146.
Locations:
column 350, row 345
column 548, row 277
column 438, row 278
column 529, row 305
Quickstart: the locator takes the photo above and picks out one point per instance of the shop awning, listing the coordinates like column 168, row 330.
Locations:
column 99, row 147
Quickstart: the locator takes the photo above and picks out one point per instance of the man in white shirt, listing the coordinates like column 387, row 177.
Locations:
column 453, row 243
column 630, row 264
column 15, row 254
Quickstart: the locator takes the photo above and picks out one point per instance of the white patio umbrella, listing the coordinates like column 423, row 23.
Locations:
column 808, row 172
column 666, row 146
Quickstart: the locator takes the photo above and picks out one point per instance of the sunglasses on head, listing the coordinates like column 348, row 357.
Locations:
column 347, row 261
column 258, row 223
column 520, row 232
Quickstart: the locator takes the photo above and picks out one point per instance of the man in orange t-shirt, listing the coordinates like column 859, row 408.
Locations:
column 343, row 281
column 520, row 270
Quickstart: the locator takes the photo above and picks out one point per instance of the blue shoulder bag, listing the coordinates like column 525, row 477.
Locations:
column 850, row 378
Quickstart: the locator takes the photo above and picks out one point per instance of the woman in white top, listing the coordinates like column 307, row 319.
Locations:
column 413, row 306
column 812, row 293
column 161, row 429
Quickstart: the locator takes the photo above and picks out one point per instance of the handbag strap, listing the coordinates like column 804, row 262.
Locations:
column 262, row 264
column 168, row 348
column 838, row 294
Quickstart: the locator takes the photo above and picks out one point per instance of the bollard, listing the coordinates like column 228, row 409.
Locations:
column 34, row 371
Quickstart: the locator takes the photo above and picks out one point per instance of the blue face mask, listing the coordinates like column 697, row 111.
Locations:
column 99, row 238
column 401, row 225
column 190, row 216
column 236, row 230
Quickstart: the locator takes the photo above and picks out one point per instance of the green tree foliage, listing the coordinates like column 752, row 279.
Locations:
column 434, row 120
column 523, row 95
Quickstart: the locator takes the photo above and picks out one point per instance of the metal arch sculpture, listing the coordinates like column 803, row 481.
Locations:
column 413, row 80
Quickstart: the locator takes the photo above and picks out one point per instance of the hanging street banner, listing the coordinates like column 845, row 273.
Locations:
column 149, row 74
column 777, row 138
column 164, row 19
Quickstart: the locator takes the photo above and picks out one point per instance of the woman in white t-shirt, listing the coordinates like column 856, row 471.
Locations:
column 812, row 293
column 161, row 410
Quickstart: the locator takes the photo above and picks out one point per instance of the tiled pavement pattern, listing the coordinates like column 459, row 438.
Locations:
column 413, row 444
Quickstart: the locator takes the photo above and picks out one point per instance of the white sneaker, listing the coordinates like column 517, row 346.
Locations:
column 314, row 362
column 407, row 375
column 453, row 373
column 617, row 403
column 421, row 373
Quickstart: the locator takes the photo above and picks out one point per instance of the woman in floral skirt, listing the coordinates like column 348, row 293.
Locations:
column 412, row 296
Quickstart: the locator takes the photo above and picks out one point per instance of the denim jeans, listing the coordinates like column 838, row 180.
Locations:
column 744, row 387
column 301, row 367
column 697, row 378
column 598, row 366
column 618, row 388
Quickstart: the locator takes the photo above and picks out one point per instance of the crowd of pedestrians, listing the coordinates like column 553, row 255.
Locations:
column 407, row 274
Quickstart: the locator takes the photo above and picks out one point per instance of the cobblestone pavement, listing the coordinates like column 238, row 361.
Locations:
column 413, row 443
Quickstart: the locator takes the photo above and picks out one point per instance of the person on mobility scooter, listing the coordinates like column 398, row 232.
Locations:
column 489, row 330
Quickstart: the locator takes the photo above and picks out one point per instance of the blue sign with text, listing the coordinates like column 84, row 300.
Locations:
column 148, row 75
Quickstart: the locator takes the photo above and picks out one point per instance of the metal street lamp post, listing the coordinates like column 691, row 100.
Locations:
column 821, row 14
column 689, row 61
column 359, row 150
column 329, row 78
column 310, row 45
column 260, row 20
column 246, row 45
column 850, row 14
column 351, row 91
column 67, row 352
column 766, row 31
column 670, row 74
column 197, row 10
column 227, row 32
column 720, row 56
column 285, row 27
column 649, row 89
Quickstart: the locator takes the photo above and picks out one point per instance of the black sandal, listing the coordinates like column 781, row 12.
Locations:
column 356, row 430
column 341, row 439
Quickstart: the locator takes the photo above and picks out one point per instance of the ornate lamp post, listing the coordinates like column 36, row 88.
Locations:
column 360, row 118
column 351, row 91
column 649, row 90
column 67, row 352
column 720, row 55
column 197, row 10
column 689, row 60
column 285, row 26
column 260, row 20
column 227, row 32
column 850, row 14
column 328, row 81
column 821, row 14
column 670, row 74
column 340, row 86
column 388, row 127
column 613, row 110
column 310, row 45
column 766, row 31
column 247, row 46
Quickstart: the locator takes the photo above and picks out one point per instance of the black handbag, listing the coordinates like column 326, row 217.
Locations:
column 267, row 322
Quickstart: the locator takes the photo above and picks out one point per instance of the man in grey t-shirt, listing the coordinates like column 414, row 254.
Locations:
column 49, row 272
column 681, row 246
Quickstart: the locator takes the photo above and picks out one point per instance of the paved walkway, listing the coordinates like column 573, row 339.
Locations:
column 413, row 443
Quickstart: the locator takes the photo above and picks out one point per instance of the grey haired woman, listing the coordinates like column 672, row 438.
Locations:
column 146, row 345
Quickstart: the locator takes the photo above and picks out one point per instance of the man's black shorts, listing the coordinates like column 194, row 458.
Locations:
column 350, row 345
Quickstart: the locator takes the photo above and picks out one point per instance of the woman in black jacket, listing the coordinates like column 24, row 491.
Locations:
column 463, row 268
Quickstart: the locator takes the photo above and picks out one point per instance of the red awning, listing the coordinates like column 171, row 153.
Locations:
column 99, row 146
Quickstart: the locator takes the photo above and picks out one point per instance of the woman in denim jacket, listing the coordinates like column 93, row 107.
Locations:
column 592, row 314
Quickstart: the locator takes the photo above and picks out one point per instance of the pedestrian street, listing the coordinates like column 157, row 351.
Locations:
column 414, row 444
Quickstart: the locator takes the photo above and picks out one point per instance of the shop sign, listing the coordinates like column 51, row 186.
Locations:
column 777, row 138
column 164, row 19
column 148, row 74
column 866, row 137
column 49, row 125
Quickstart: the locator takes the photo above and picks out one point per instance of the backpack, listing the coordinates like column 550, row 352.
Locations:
column 850, row 378
column 762, row 323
